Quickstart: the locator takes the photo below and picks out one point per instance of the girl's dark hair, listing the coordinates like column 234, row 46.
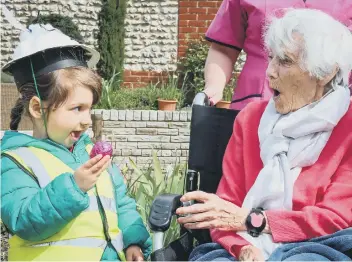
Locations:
column 54, row 89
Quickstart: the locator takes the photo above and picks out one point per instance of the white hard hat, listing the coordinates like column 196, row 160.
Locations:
column 47, row 49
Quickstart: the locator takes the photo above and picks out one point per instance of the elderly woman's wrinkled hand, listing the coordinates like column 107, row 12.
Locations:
column 211, row 212
column 250, row 253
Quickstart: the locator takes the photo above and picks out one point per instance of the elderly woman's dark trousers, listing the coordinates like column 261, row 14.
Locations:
column 334, row 247
column 214, row 252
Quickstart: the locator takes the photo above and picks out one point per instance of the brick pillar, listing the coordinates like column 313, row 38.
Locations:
column 194, row 19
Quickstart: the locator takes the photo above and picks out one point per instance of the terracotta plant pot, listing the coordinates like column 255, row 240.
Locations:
column 223, row 104
column 167, row 105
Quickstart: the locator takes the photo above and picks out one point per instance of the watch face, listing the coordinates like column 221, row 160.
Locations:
column 256, row 219
column 255, row 222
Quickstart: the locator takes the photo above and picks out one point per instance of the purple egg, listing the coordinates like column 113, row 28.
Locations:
column 103, row 148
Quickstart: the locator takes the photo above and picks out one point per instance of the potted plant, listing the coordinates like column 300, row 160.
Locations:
column 228, row 93
column 169, row 95
column 227, row 97
column 167, row 100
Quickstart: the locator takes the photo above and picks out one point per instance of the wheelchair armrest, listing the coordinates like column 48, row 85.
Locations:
column 201, row 99
column 162, row 210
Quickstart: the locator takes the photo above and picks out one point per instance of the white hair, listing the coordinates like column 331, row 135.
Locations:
column 326, row 43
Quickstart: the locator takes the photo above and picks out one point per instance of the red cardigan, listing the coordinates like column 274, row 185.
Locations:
column 322, row 194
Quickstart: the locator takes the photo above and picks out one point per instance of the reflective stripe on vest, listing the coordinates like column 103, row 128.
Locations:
column 78, row 242
column 86, row 242
column 108, row 204
column 35, row 164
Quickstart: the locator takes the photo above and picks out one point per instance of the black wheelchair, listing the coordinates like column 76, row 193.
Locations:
column 211, row 129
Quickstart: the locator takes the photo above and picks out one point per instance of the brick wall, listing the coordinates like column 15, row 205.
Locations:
column 151, row 41
column 135, row 79
column 135, row 133
column 194, row 19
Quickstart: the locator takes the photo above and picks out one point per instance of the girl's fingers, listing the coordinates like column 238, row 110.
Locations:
column 91, row 162
column 101, row 165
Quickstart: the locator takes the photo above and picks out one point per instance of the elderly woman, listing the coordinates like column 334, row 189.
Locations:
column 287, row 170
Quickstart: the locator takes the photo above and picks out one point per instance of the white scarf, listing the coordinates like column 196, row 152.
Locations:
column 287, row 144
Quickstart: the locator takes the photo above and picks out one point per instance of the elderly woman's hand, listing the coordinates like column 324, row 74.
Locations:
column 211, row 212
column 250, row 253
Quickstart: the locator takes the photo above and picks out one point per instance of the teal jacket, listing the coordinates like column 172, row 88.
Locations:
column 35, row 213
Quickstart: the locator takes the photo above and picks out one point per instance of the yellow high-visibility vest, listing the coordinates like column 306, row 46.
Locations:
column 83, row 238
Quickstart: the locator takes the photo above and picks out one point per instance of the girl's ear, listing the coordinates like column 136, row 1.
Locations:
column 35, row 109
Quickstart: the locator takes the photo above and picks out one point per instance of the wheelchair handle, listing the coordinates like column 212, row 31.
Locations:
column 162, row 210
column 160, row 216
column 201, row 99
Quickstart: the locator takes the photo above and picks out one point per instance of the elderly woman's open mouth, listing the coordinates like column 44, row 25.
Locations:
column 276, row 93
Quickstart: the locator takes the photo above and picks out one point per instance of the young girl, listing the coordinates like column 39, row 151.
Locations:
column 57, row 203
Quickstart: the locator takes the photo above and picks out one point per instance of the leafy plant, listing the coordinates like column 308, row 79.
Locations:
column 111, row 38
column 227, row 94
column 144, row 98
column 168, row 93
column 171, row 91
column 145, row 184
column 230, row 87
column 63, row 23
column 192, row 67
column 108, row 91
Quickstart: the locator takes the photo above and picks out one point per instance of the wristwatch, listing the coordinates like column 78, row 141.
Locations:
column 255, row 222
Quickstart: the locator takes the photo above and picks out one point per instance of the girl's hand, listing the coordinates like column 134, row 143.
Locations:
column 134, row 253
column 250, row 253
column 88, row 174
column 212, row 212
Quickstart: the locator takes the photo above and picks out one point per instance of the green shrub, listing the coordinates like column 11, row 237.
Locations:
column 192, row 68
column 5, row 78
column 145, row 184
column 228, row 92
column 116, row 97
column 125, row 98
column 143, row 98
column 63, row 23
column 111, row 38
